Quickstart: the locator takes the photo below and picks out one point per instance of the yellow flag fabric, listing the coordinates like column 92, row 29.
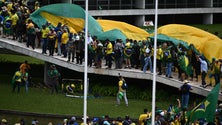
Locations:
column 206, row 43
column 186, row 61
column 130, row 31
column 78, row 23
column 74, row 16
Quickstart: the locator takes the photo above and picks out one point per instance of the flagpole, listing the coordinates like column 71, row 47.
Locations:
column 85, row 65
column 154, row 65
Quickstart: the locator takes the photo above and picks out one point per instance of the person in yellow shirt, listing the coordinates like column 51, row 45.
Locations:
column 159, row 57
column 128, row 53
column 17, row 80
column 51, row 39
column 37, row 6
column 14, row 18
column 65, row 38
column 143, row 117
column 121, row 92
column 10, row 6
column 109, row 52
column 215, row 70
column 44, row 32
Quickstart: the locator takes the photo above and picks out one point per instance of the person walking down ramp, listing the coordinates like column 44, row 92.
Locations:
column 122, row 91
column 54, row 78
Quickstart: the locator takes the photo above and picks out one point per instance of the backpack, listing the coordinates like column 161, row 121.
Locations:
column 118, row 52
column 31, row 30
column 185, row 89
column 124, row 85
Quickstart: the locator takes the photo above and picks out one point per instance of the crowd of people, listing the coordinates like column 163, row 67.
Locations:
column 61, row 41
column 174, row 115
column 129, row 53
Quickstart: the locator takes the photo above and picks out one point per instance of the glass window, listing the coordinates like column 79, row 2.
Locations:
column 150, row 4
column 191, row 3
column 103, row 4
column 161, row 4
column 181, row 3
column 114, row 4
column 170, row 3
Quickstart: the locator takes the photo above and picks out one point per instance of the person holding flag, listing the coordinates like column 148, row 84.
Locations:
column 205, row 110
column 204, row 69
column 121, row 92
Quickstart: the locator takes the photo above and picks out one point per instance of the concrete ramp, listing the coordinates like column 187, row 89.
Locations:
column 128, row 73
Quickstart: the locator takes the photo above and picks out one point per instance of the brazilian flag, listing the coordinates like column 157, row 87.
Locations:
column 206, row 109
column 184, row 65
column 7, row 25
column 74, row 17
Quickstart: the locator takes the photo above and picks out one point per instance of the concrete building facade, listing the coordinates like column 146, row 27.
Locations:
column 136, row 12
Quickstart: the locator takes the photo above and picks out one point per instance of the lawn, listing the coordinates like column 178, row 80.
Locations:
column 211, row 28
column 42, row 101
column 19, row 59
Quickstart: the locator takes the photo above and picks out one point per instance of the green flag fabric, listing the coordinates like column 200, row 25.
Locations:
column 206, row 109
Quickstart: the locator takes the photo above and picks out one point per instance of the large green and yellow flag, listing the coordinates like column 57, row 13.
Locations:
column 74, row 17
column 206, row 43
column 206, row 109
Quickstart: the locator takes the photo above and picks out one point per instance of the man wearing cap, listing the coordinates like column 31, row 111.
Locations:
column 185, row 91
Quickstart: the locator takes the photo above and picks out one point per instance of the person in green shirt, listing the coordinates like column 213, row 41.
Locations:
column 54, row 75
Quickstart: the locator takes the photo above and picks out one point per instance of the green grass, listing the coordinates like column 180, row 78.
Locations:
column 212, row 28
column 19, row 59
column 42, row 101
